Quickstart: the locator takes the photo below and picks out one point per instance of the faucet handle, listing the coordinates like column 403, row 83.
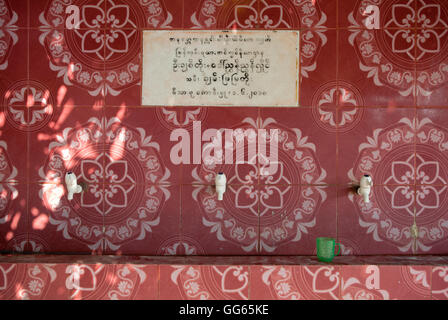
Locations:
column 368, row 180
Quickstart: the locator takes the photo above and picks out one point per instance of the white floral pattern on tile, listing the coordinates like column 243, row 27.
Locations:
column 123, row 171
column 211, row 282
column 8, row 182
column 125, row 284
column 8, row 35
column 440, row 291
column 302, row 283
column 180, row 245
column 297, row 160
column 173, row 118
column 392, row 215
column 36, row 281
column 269, row 15
column 336, row 106
column 390, row 61
column 29, row 105
column 79, row 58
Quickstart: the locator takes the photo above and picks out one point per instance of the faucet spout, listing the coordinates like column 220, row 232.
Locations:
column 220, row 185
column 366, row 197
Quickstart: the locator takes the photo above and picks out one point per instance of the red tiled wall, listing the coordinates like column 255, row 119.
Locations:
column 192, row 282
column 371, row 101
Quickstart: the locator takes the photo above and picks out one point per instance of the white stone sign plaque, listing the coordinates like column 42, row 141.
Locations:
column 221, row 68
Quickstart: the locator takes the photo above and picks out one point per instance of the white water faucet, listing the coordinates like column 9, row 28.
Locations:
column 220, row 184
column 72, row 185
column 364, row 187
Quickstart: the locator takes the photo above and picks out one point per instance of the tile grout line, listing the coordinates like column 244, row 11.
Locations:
column 415, row 136
column 337, row 14
column 155, row 107
column 258, row 202
column 249, row 291
column 141, row 68
column 181, row 212
column 28, row 135
column 103, row 160
column 183, row 14
column 37, row 183
column 145, row 28
column 337, row 124
column 158, row 281
column 430, row 282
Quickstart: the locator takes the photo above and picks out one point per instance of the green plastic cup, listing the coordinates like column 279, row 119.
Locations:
column 326, row 249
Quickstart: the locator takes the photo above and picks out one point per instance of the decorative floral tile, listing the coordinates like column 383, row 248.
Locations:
column 236, row 155
column 308, row 14
column 431, row 14
column 190, row 282
column 380, row 64
column 13, row 217
column 77, row 282
column 432, row 67
column 17, row 10
column 371, row 282
column 306, row 147
column 204, row 14
column 139, row 138
column 431, row 38
column 393, row 14
column 431, row 218
column 10, row 275
column 431, row 156
column 59, row 225
column 318, row 66
column 227, row 227
column 13, row 144
column 141, row 219
column 385, row 225
column 123, row 63
column 89, row 282
column 122, row 168
column 70, row 64
column 13, row 55
column 336, row 107
column 262, row 14
column 37, row 282
column 142, row 195
column 123, row 34
column 147, row 286
column 159, row 14
column 106, row 14
column 60, row 16
column 432, row 174
column 381, row 144
column 72, row 140
column 295, row 282
column 288, row 218
column 439, row 283
column 292, row 217
column 69, row 138
column 111, row 282
column 43, row 281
